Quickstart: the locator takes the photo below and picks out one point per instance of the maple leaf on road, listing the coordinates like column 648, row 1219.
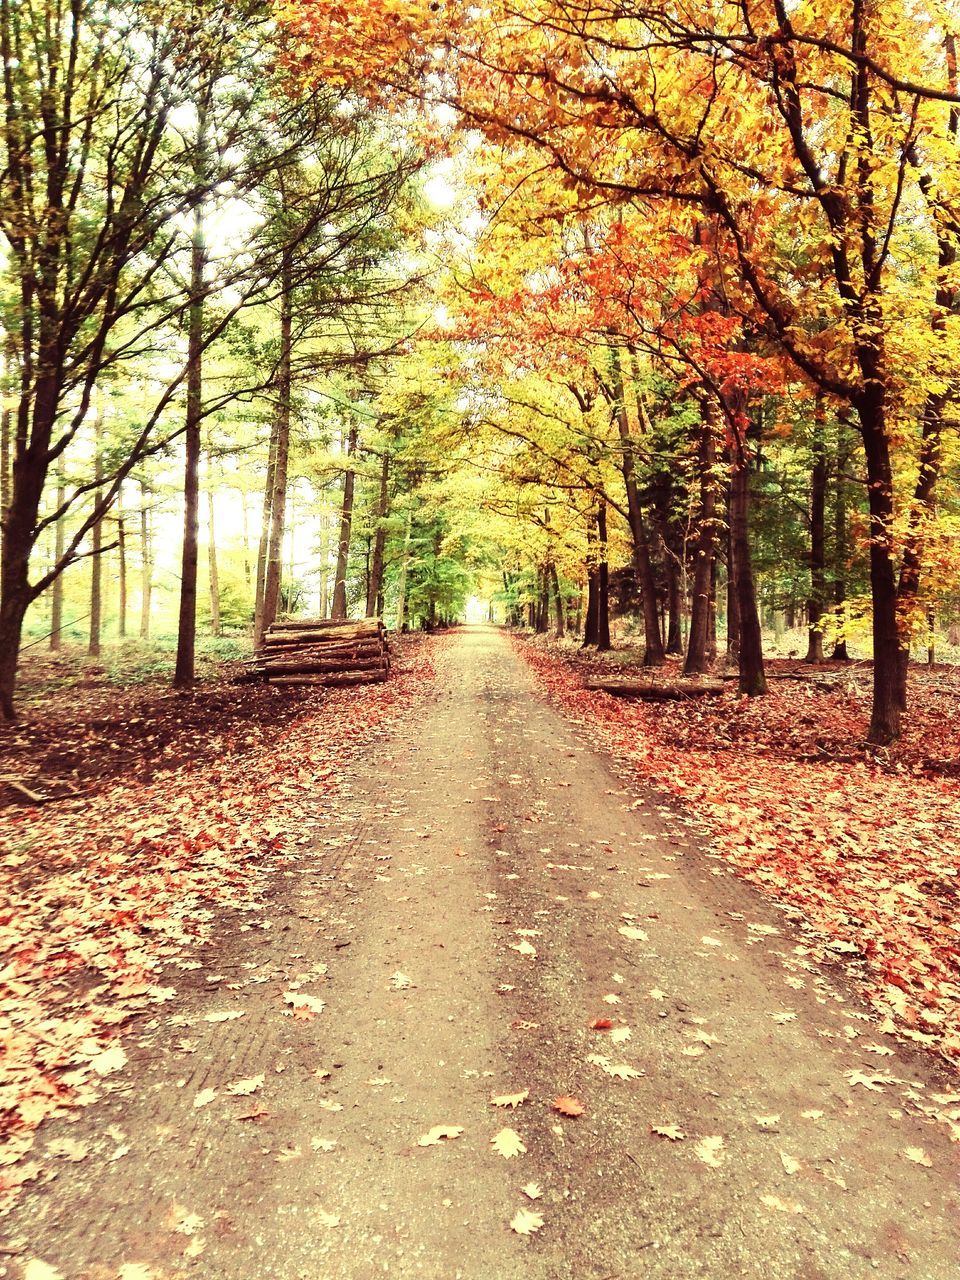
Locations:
column 510, row 1099
column 567, row 1106
column 438, row 1133
column 508, row 1143
column 525, row 1222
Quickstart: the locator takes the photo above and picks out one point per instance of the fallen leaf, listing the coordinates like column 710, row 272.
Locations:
column 323, row 1144
column 601, row 1024
column 710, row 1151
column 438, row 1133
column 633, row 933
column 300, row 1000
column 523, row 947
column 109, row 1060
column 567, row 1106
column 204, row 1096
column 400, row 982
column 619, row 1070
column 525, row 1222
column 533, row 1191
column 510, row 1099
column 918, row 1156
column 138, row 1270
column 224, row 1015
column 789, row 1163
column 782, row 1206
column 711, row 942
column 508, row 1143
column 243, row 1088
column 671, row 1131
column 35, row 1269
column 619, row 1035
column 68, row 1149
column 328, row 1219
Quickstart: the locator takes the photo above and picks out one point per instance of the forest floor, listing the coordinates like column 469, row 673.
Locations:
column 418, row 980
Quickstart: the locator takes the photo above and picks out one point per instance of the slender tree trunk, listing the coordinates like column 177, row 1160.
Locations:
column 7, row 384
column 375, row 586
column 712, row 615
column 559, row 624
column 750, row 656
column 402, row 584
column 674, row 605
column 96, row 559
column 840, row 545
column 185, row 670
column 733, row 604
column 696, row 662
column 324, row 560
column 654, row 655
column 245, row 518
column 818, row 505
column 56, row 601
column 603, row 581
column 146, row 564
column 266, row 518
column 122, row 554
column 339, row 611
column 216, row 625
column 278, row 500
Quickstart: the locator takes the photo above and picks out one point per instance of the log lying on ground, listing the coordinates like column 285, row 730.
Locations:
column 655, row 690
column 321, row 652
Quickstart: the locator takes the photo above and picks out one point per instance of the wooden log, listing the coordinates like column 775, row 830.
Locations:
column 654, row 690
column 365, row 649
column 326, row 624
column 318, row 665
column 345, row 678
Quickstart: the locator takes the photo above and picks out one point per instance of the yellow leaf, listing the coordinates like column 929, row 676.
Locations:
column 508, row 1143
column 525, row 1222
column 918, row 1156
column 243, row 1088
column 438, row 1133
column 510, row 1099
column 533, row 1191
column 710, row 1151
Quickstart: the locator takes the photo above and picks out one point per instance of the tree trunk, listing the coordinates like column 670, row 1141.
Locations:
column 402, row 583
column 696, row 662
column 214, row 576
column 339, row 610
column 733, row 604
column 184, row 672
column 840, row 548
column 653, row 655
column 56, row 600
column 603, row 581
column 818, row 502
column 375, row 586
column 278, row 496
column 750, row 656
column 888, row 659
column 245, row 517
column 122, row 554
column 263, row 545
column 146, row 564
column 712, row 616
column 96, row 559
column 559, row 623
column 674, row 605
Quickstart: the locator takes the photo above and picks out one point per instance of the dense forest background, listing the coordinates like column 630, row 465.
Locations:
column 628, row 323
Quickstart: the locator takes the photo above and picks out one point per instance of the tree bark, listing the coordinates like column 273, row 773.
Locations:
column 696, row 661
column 603, row 580
column 888, row 659
column 750, row 656
column 375, row 585
column 653, row 655
column 278, row 497
column 212, row 571
column 56, row 599
column 559, row 622
column 402, row 583
column 818, row 503
column 96, row 559
column 339, row 610
column 146, row 564
column 840, row 547
column 122, row 555
column 185, row 670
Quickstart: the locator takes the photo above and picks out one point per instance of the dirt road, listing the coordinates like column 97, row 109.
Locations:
column 486, row 889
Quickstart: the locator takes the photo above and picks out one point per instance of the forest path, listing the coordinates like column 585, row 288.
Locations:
column 469, row 841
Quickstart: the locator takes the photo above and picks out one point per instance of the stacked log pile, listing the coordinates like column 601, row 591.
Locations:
column 314, row 651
